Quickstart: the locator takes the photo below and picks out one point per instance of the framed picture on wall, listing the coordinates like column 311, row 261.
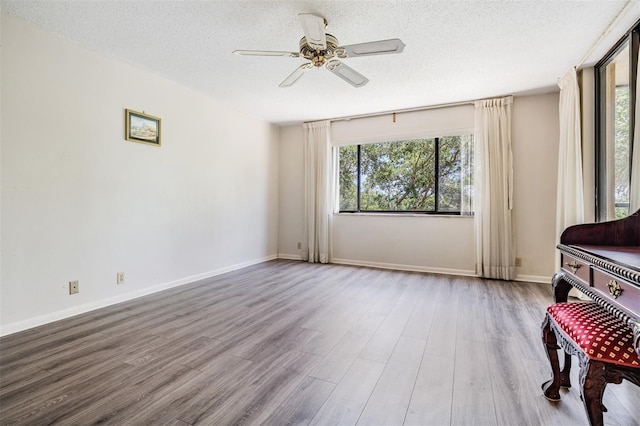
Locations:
column 141, row 127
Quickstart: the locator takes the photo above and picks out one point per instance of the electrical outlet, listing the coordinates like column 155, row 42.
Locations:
column 518, row 261
column 74, row 287
column 120, row 278
column 299, row 246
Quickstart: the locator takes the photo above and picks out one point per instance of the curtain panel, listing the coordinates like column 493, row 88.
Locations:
column 495, row 243
column 569, row 195
column 320, row 169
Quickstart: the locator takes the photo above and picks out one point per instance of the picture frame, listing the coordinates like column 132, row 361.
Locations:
column 142, row 128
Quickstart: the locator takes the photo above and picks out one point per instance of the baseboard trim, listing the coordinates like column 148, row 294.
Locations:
column 409, row 268
column 288, row 256
column 533, row 279
column 103, row 303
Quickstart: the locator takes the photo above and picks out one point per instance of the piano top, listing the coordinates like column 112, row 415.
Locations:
column 621, row 233
column 628, row 256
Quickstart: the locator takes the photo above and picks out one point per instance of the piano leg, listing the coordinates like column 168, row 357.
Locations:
column 560, row 287
column 551, row 388
column 593, row 380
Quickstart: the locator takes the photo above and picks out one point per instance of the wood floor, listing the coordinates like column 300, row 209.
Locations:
column 288, row 342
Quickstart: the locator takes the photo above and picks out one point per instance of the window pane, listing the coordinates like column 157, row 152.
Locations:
column 455, row 186
column 398, row 176
column 450, row 193
column 622, row 152
column 348, row 177
column 617, row 137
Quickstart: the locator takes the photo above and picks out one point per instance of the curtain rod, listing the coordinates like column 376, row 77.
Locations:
column 400, row 111
column 396, row 111
column 606, row 32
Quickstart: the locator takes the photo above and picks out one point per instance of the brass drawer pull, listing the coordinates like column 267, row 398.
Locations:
column 614, row 289
column 574, row 266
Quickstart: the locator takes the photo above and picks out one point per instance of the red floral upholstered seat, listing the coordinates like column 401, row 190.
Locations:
column 601, row 336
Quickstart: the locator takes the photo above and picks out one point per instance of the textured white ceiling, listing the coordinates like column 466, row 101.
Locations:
column 455, row 50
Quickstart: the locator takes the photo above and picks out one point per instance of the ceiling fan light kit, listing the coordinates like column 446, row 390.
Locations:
column 322, row 49
column 319, row 57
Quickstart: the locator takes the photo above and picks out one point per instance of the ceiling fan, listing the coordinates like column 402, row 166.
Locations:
column 321, row 48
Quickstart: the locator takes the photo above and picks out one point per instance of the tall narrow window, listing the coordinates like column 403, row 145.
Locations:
column 615, row 80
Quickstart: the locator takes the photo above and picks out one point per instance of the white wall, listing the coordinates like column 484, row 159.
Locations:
column 81, row 203
column 291, row 192
column 434, row 243
column 430, row 244
column 535, row 174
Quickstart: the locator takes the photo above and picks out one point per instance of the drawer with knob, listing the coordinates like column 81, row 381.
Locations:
column 616, row 289
column 576, row 267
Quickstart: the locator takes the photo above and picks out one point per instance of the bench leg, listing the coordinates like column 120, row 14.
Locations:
column 565, row 374
column 551, row 388
column 593, row 382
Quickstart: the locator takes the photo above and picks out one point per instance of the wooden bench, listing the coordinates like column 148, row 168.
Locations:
column 603, row 344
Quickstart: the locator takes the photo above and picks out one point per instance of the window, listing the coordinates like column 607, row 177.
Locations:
column 615, row 96
column 418, row 176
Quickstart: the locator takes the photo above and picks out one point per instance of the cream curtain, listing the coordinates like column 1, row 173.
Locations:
column 495, row 245
column 569, row 195
column 634, row 189
column 320, row 171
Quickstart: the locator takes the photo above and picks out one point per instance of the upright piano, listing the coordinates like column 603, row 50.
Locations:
column 601, row 260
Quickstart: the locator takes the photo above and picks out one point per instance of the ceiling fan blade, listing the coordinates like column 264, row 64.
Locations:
column 380, row 47
column 296, row 74
column 313, row 27
column 347, row 73
column 266, row 53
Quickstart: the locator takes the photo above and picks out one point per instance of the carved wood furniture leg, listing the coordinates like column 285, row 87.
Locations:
column 593, row 380
column 551, row 388
column 565, row 374
column 560, row 287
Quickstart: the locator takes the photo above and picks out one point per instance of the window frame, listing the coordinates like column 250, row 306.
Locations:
column 632, row 37
column 435, row 212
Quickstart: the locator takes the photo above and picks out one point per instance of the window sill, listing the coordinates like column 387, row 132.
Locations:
column 429, row 215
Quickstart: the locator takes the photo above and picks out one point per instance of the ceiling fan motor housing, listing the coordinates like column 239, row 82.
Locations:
column 320, row 57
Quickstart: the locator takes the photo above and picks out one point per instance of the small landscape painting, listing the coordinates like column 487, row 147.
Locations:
column 141, row 127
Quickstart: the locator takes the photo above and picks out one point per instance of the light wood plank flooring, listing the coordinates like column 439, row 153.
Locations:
column 288, row 342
